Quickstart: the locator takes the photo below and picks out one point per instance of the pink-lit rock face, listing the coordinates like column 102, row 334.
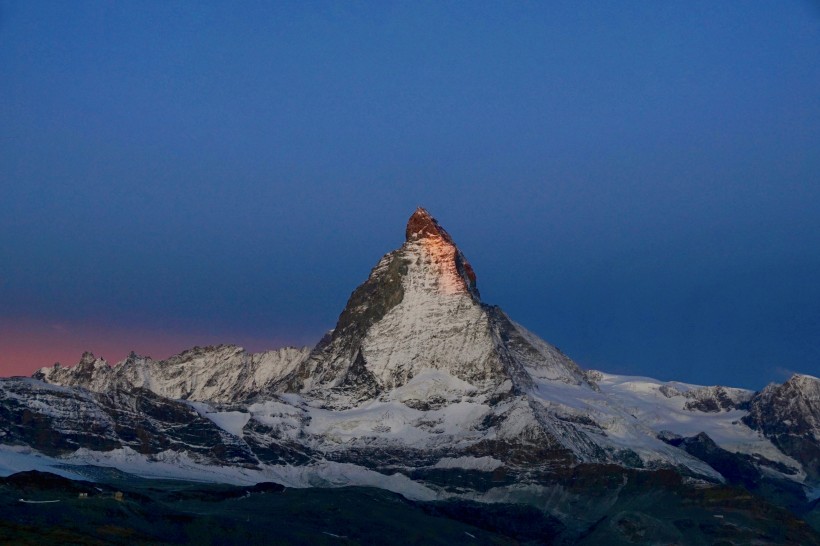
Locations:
column 421, row 224
column 456, row 273
column 442, row 258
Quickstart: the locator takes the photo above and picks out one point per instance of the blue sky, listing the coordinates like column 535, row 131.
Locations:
column 636, row 182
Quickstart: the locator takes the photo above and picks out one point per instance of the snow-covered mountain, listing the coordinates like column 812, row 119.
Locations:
column 421, row 381
column 420, row 312
column 57, row 420
column 220, row 374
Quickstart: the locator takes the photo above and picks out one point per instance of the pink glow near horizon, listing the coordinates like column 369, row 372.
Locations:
column 27, row 346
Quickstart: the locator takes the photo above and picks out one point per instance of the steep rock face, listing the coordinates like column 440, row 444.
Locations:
column 223, row 373
column 789, row 415
column 420, row 310
column 90, row 372
column 422, row 226
column 419, row 370
column 58, row 421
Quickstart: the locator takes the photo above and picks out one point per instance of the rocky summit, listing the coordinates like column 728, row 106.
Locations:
column 424, row 390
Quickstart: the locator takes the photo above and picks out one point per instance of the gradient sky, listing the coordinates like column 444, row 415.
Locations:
column 636, row 182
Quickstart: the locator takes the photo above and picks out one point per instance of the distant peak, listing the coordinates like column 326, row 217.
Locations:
column 87, row 358
column 134, row 357
column 803, row 381
column 89, row 361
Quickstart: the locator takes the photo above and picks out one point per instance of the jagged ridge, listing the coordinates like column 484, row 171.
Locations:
column 418, row 372
column 223, row 373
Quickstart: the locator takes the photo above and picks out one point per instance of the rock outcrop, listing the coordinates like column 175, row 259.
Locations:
column 223, row 373
column 789, row 415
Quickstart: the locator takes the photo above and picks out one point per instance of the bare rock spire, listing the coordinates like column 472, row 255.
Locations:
column 422, row 225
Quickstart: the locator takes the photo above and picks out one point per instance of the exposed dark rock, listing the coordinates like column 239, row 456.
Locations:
column 57, row 420
column 421, row 225
column 716, row 399
column 368, row 304
column 789, row 415
column 744, row 470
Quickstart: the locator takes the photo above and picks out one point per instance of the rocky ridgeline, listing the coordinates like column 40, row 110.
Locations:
column 423, row 380
column 789, row 414
column 223, row 373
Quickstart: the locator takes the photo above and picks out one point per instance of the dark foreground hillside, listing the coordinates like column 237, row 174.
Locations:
column 173, row 512
column 177, row 512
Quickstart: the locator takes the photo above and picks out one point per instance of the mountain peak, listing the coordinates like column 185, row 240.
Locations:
column 420, row 313
column 87, row 358
column 421, row 224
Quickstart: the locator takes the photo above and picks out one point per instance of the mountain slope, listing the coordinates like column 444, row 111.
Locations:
column 420, row 310
column 789, row 415
column 224, row 373
column 422, row 383
column 57, row 420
